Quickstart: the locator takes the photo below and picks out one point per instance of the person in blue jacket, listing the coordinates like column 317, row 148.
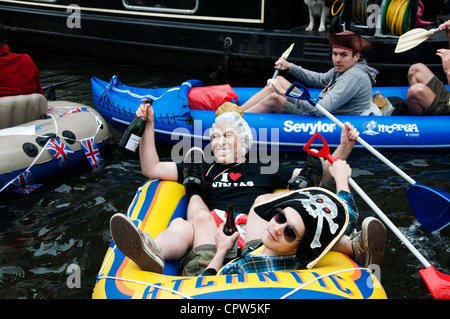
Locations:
column 346, row 88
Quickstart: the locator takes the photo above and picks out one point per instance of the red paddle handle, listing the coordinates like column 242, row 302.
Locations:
column 324, row 151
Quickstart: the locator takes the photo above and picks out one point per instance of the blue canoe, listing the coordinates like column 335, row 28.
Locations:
column 175, row 121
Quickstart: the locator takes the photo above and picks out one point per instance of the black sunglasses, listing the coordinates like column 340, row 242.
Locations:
column 289, row 233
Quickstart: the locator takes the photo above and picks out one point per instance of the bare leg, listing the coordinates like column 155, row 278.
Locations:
column 419, row 73
column 199, row 216
column 273, row 103
column 255, row 99
column 268, row 100
column 344, row 245
column 176, row 240
column 181, row 235
column 419, row 97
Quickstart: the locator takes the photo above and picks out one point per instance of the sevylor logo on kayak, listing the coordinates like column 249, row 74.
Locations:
column 373, row 128
column 312, row 128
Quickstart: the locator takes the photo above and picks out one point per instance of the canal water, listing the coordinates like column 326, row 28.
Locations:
column 66, row 221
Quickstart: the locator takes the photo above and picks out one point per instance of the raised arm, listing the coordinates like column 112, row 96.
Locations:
column 151, row 166
column 348, row 140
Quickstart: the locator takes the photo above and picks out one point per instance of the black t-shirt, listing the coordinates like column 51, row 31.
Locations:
column 240, row 184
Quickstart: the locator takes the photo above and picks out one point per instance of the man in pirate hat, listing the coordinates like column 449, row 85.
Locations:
column 346, row 88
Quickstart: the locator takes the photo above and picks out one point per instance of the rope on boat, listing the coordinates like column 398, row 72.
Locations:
column 303, row 286
column 146, row 284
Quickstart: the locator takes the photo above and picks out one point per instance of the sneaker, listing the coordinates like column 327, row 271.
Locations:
column 311, row 175
column 193, row 167
column 368, row 244
column 136, row 245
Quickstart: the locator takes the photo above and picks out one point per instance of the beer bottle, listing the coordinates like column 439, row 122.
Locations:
column 229, row 229
column 132, row 136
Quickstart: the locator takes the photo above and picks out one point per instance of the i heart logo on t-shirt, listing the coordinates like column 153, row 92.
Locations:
column 234, row 176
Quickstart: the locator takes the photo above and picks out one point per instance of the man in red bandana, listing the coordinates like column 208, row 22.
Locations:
column 19, row 75
column 346, row 88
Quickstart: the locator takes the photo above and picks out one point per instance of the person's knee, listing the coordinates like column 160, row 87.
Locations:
column 416, row 91
column 275, row 98
column 180, row 224
column 416, row 68
column 201, row 217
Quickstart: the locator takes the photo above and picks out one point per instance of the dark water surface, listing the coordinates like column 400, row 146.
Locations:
column 66, row 221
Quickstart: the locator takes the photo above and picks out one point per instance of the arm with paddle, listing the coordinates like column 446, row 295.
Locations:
column 438, row 283
column 416, row 36
column 281, row 63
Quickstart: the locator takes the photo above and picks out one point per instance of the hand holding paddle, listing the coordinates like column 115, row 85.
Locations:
column 431, row 206
column 284, row 56
column 438, row 283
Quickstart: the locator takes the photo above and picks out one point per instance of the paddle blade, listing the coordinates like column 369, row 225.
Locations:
column 431, row 206
column 412, row 39
column 286, row 53
column 437, row 282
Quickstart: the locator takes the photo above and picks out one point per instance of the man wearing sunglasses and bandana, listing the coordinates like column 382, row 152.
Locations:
column 196, row 235
column 346, row 88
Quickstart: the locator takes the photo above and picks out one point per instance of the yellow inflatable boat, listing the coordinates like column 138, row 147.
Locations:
column 158, row 202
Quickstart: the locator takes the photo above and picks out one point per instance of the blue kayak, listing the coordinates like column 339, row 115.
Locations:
column 176, row 121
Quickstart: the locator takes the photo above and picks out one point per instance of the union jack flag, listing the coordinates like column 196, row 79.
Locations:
column 75, row 110
column 58, row 150
column 23, row 183
column 92, row 153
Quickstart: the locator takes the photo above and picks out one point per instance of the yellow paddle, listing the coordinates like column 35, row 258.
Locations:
column 284, row 56
column 413, row 38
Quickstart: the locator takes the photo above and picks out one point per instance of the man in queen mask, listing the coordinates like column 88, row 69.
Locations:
column 232, row 179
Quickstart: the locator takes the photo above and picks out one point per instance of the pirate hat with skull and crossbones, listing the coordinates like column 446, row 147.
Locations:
column 324, row 214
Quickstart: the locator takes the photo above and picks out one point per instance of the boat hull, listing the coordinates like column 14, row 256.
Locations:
column 40, row 162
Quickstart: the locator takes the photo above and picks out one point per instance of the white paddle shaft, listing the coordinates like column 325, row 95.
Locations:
column 368, row 146
column 369, row 201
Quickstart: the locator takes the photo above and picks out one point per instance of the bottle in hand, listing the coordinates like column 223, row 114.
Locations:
column 229, row 229
column 132, row 136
